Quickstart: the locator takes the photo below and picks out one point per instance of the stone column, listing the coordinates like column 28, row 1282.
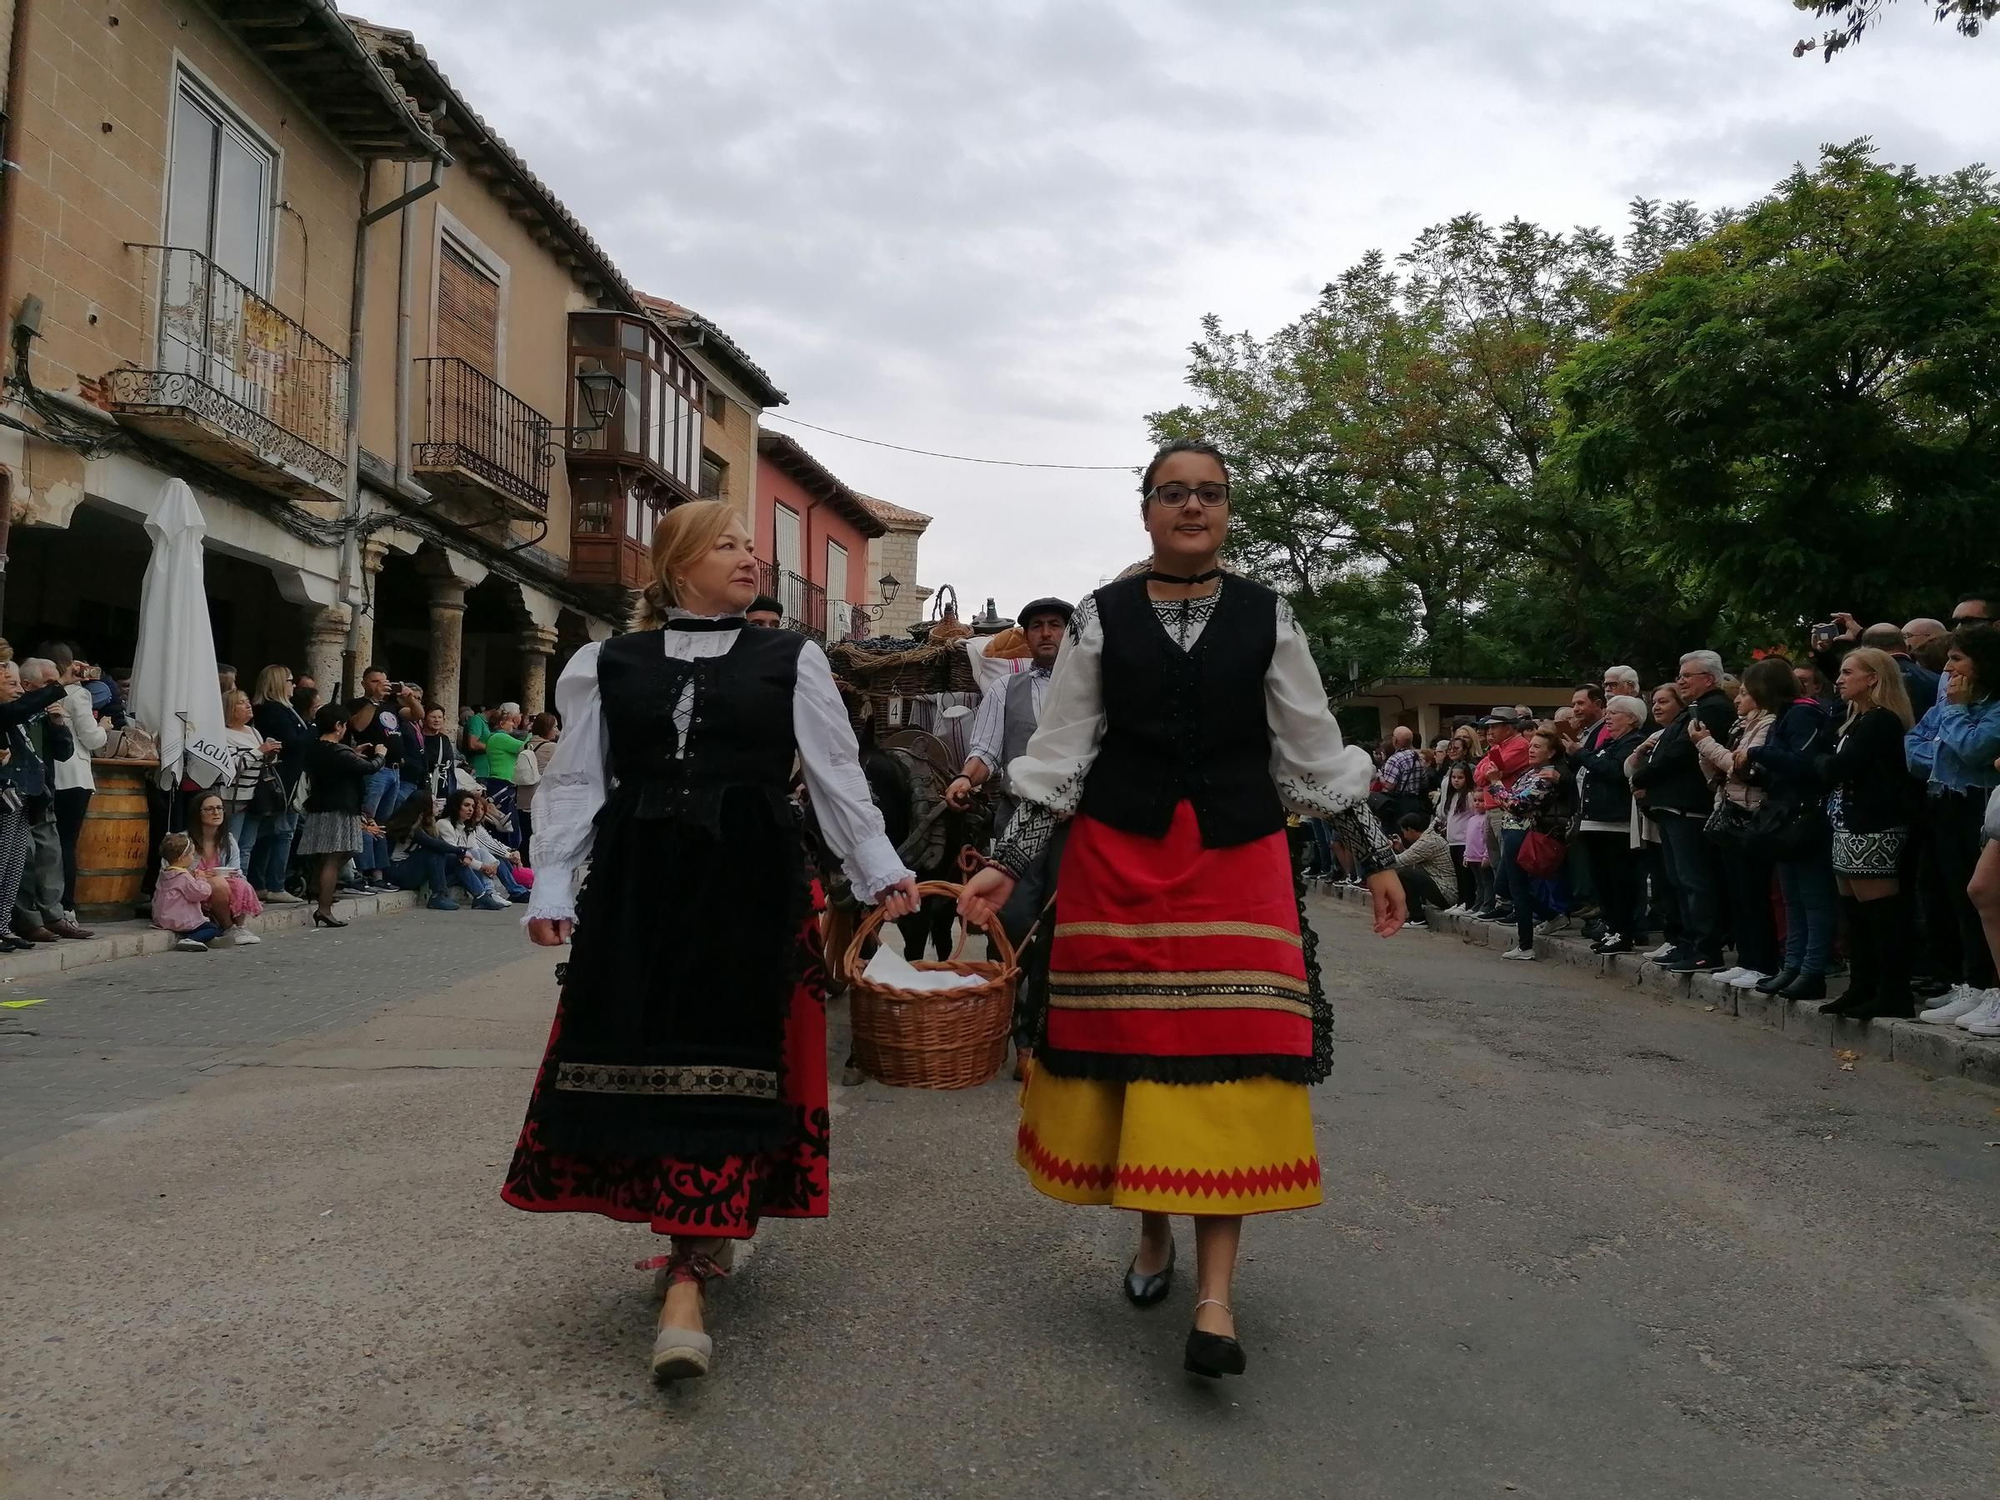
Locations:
column 373, row 550
column 449, row 575
column 538, row 643
column 447, row 644
column 326, row 639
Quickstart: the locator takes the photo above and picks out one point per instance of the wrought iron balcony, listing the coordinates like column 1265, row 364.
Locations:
column 238, row 383
column 804, row 603
column 476, row 434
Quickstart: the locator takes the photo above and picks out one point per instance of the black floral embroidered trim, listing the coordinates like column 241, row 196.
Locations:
column 611, row 1078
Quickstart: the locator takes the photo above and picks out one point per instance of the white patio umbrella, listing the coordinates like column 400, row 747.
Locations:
column 174, row 688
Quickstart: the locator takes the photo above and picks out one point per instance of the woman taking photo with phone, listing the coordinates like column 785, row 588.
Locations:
column 684, row 1085
column 1184, row 1018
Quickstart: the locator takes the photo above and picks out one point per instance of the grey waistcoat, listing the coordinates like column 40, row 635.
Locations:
column 1017, row 727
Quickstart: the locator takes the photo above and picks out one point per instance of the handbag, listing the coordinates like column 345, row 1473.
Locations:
column 1541, row 855
column 1786, row 830
column 268, row 798
column 527, row 769
column 1728, row 822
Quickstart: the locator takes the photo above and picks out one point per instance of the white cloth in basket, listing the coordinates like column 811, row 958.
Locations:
column 890, row 970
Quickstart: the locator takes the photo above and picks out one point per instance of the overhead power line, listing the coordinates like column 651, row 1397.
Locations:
column 1005, row 463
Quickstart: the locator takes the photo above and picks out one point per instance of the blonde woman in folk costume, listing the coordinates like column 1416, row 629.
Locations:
column 685, row 1081
column 1184, row 1019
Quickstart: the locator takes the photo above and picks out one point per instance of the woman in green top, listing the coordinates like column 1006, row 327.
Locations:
column 504, row 744
column 503, row 748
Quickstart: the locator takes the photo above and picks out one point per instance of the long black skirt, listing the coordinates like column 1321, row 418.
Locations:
column 680, row 981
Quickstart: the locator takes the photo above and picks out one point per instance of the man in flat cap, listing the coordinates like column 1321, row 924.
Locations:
column 1008, row 715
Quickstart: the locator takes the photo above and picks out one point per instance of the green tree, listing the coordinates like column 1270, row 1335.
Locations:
column 1804, row 407
column 1392, row 446
column 1853, row 18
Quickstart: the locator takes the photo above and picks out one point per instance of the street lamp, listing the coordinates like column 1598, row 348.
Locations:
column 888, row 583
column 598, row 392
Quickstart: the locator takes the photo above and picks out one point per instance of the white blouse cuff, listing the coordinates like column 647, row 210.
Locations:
column 871, row 867
column 553, row 897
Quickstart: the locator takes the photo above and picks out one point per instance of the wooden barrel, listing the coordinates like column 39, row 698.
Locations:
column 111, row 851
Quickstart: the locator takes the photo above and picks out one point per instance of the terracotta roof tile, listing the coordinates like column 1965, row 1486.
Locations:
column 893, row 515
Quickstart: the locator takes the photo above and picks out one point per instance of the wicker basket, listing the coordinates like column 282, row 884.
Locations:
column 950, row 1039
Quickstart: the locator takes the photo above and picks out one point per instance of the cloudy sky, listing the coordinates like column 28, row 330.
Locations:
column 991, row 228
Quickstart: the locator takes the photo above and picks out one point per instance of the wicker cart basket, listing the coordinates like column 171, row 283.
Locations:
column 948, row 1039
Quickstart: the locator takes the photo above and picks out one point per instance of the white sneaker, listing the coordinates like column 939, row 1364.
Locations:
column 1525, row 955
column 1419, row 923
column 1554, row 925
column 243, row 937
column 1987, row 1012
column 1959, row 1000
column 1749, row 979
column 1730, row 976
column 191, row 945
column 1663, row 951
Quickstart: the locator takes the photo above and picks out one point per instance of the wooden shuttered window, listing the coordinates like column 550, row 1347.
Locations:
column 468, row 312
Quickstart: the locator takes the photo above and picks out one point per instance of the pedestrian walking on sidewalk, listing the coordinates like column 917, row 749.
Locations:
column 684, row 1085
column 1184, row 1016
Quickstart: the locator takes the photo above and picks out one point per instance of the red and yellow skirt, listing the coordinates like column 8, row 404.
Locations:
column 1173, row 966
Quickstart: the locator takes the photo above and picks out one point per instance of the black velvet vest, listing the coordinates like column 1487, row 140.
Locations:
column 741, row 735
column 1186, row 725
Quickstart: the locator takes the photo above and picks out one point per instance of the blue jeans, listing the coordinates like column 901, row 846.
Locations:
column 1322, row 843
column 474, row 882
column 265, row 842
column 1812, row 905
column 382, row 795
column 1691, row 868
column 505, row 874
column 208, row 932
column 420, row 868
column 1520, row 887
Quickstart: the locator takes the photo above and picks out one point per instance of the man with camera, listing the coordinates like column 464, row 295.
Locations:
column 36, row 729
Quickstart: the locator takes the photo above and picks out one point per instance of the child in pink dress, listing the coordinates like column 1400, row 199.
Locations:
column 180, row 899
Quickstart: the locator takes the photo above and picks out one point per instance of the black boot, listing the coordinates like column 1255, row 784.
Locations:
column 1772, row 984
column 1892, row 1000
column 1802, row 987
column 1861, row 960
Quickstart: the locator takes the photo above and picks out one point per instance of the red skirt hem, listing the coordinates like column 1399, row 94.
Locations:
column 722, row 1199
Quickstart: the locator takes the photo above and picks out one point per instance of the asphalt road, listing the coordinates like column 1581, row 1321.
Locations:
column 1577, row 1242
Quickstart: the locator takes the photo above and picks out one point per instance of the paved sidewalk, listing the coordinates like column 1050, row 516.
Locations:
column 138, row 936
column 1935, row 1051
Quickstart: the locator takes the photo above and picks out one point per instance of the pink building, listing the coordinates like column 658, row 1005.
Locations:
column 813, row 533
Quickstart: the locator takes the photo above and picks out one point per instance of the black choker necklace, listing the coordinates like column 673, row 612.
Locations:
column 693, row 622
column 1200, row 578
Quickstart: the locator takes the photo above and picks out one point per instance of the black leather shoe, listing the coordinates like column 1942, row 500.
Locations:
column 1146, row 1291
column 1802, row 987
column 1213, row 1355
column 1771, row 984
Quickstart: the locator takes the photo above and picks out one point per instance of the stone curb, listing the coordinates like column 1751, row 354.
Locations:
column 1935, row 1051
column 59, row 958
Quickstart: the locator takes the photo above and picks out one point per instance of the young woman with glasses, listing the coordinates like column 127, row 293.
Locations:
column 1184, row 1017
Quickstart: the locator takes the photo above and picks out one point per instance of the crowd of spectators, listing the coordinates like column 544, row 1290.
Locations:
column 320, row 799
column 1760, row 825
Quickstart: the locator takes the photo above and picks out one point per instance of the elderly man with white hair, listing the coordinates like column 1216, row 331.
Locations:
column 1621, row 682
column 36, row 741
column 1679, row 798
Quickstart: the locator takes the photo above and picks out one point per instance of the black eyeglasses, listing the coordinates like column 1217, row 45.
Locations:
column 1174, row 496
